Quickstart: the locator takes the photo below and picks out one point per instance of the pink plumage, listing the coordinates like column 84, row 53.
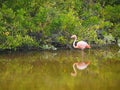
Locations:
column 81, row 44
column 80, row 66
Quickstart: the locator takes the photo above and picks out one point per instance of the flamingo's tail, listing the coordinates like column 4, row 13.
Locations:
column 88, row 46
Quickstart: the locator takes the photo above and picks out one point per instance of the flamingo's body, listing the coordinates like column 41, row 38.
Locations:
column 81, row 44
column 80, row 66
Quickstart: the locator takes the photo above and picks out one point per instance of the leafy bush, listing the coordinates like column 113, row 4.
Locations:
column 34, row 23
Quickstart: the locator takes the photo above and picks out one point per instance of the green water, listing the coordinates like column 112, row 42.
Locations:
column 51, row 70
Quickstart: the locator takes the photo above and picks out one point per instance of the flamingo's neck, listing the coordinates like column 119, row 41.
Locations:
column 75, row 72
column 74, row 42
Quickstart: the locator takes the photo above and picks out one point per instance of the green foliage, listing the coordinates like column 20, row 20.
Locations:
column 112, row 13
column 32, row 22
column 116, row 31
column 109, row 38
column 65, row 22
column 17, row 41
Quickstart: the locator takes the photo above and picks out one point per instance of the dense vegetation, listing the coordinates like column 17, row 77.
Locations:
column 47, row 23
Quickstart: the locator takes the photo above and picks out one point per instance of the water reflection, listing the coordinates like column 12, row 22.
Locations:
column 51, row 70
column 80, row 66
column 82, row 55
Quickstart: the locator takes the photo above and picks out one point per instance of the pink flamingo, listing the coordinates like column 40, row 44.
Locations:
column 80, row 66
column 81, row 44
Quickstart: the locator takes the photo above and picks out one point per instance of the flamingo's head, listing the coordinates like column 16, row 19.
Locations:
column 73, row 36
column 73, row 74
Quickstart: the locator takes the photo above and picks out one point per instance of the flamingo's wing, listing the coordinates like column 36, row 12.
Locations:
column 81, row 44
column 82, row 65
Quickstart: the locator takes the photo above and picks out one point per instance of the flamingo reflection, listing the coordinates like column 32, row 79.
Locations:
column 80, row 66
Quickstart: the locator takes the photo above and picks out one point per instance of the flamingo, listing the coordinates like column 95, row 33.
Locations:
column 81, row 44
column 80, row 66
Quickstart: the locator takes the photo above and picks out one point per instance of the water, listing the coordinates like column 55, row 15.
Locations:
column 51, row 70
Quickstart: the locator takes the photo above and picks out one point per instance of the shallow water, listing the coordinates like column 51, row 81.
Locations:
column 51, row 70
